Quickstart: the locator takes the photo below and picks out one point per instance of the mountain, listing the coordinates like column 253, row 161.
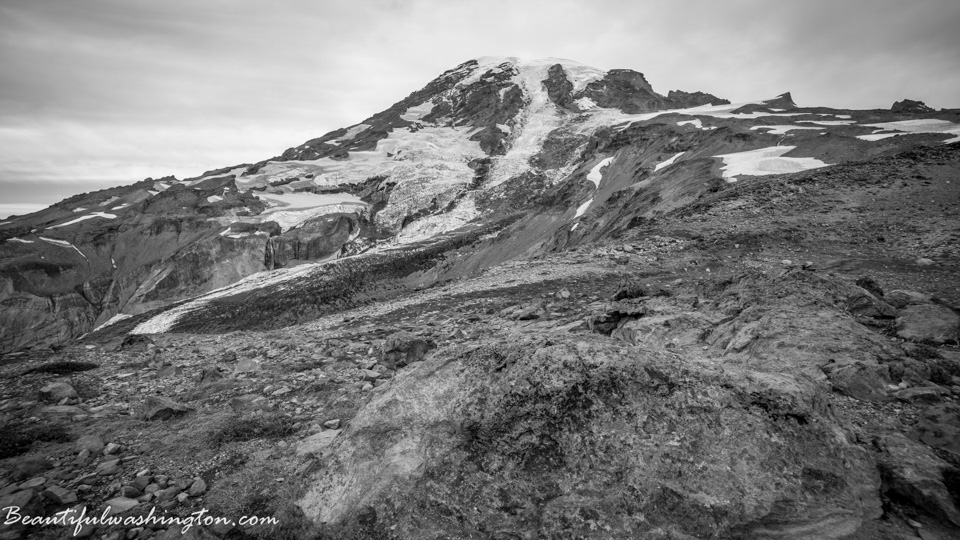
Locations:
column 531, row 299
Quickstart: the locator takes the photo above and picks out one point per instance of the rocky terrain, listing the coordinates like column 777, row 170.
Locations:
column 613, row 314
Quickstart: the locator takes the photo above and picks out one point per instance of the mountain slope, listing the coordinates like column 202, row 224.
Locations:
column 481, row 141
column 533, row 299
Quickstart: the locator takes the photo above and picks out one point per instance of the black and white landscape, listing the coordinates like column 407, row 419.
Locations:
column 532, row 299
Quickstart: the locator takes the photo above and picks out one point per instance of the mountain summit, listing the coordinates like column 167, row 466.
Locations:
column 532, row 299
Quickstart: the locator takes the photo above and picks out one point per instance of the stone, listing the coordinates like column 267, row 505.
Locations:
column 62, row 410
column 198, row 487
column 857, row 380
column 315, row 444
column 209, row 375
column 403, row 348
column 939, row 427
column 928, row 322
column 136, row 343
column 247, row 365
column 28, row 501
column 167, row 494
column 57, row 391
column 914, row 473
column 865, row 304
column 108, row 468
column 91, row 443
column 369, row 374
column 900, row 299
column 332, row 424
column 119, row 505
column 921, row 394
column 229, row 356
column 168, row 370
column 130, row 492
column 282, row 391
column 141, row 482
column 59, row 495
column 34, row 483
column 112, row 449
column 248, row 402
column 161, row 408
column 923, row 261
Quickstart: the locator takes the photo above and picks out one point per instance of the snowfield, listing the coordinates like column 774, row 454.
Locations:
column 83, row 218
column 906, row 127
column 165, row 321
column 595, row 174
column 667, row 163
column 582, row 209
column 781, row 129
column 764, row 161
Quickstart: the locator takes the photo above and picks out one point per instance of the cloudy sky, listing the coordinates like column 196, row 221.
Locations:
column 105, row 92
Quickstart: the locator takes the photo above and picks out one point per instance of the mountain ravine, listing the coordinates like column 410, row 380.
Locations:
column 532, row 299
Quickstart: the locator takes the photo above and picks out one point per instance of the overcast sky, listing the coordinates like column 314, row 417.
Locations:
column 104, row 92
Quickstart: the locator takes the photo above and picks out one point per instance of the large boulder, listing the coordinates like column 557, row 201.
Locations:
column 403, row 348
column 161, row 408
column 57, row 391
column 928, row 322
column 558, row 437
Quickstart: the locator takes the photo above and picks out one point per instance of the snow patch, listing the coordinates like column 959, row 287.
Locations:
column 20, row 240
column 83, row 218
column 113, row 320
column 351, row 133
column 695, row 122
column 585, row 103
column 214, row 199
column 62, row 243
column 504, row 128
column 764, row 161
column 595, row 175
column 165, row 321
column 582, row 209
column 905, row 127
column 667, row 163
column 781, row 129
column 414, row 114
column 827, row 122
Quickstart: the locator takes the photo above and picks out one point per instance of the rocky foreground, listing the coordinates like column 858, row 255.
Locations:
column 777, row 359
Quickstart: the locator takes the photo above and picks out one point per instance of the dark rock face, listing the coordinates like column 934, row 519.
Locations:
column 910, row 106
column 686, row 100
column 318, row 238
column 626, row 90
column 559, row 88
